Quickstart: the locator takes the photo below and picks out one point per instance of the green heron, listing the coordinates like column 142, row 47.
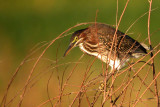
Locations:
column 99, row 40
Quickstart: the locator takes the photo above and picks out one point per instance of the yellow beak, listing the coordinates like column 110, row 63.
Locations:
column 69, row 49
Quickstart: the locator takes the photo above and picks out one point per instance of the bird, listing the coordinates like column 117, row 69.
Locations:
column 107, row 44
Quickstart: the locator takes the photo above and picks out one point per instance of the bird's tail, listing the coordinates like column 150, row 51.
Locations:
column 145, row 46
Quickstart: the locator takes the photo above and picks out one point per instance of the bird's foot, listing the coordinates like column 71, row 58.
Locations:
column 102, row 86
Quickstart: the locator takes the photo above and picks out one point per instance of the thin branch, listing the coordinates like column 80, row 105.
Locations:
column 152, row 61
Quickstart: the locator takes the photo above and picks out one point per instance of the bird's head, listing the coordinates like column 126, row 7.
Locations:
column 76, row 38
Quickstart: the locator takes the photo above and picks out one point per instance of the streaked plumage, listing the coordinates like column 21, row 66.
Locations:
column 96, row 40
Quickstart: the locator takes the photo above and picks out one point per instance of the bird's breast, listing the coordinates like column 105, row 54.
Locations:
column 103, row 57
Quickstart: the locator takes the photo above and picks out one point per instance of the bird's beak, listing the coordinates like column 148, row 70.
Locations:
column 69, row 49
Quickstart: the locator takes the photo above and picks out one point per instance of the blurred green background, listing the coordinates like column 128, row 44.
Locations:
column 24, row 23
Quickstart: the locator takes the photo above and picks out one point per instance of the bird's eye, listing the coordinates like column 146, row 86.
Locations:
column 75, row 39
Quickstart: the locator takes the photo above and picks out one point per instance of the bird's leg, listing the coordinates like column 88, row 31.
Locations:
column 104, row 85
